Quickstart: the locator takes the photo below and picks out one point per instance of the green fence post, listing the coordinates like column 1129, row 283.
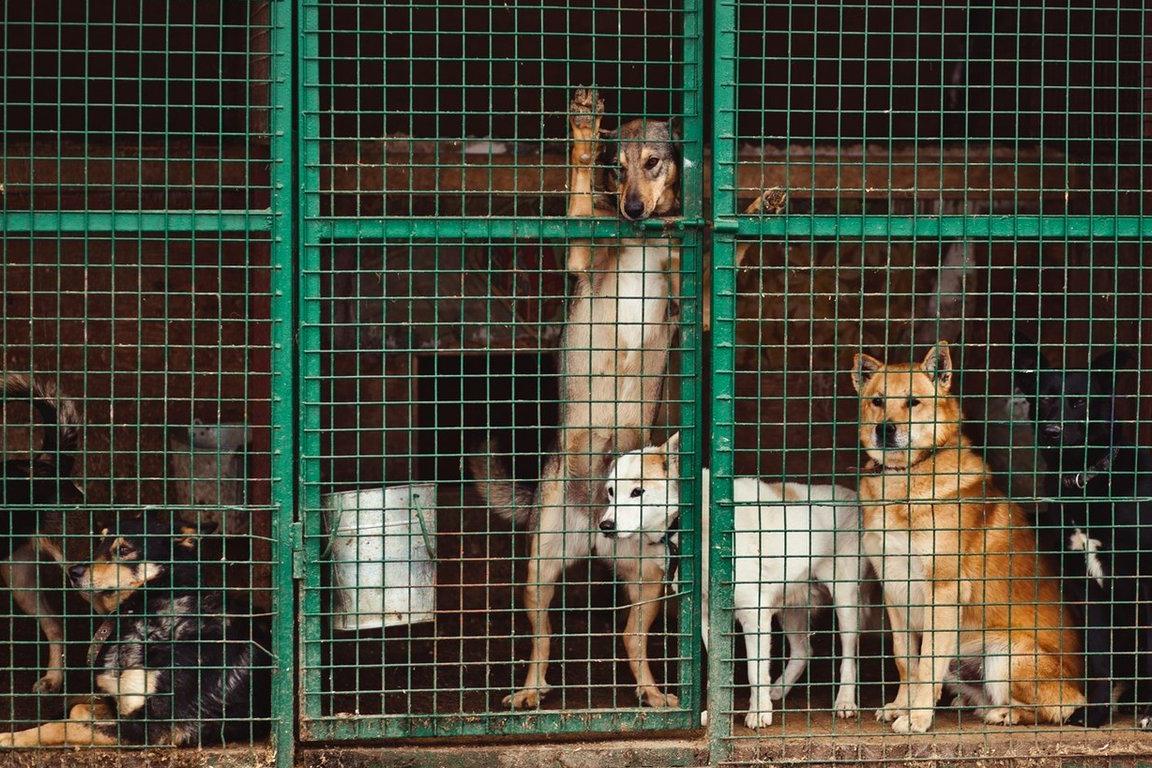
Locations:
column 284, row 392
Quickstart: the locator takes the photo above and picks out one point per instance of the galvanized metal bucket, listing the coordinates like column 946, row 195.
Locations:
column 382, row 549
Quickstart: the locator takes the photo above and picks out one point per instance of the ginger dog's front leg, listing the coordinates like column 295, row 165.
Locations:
column 938, row 647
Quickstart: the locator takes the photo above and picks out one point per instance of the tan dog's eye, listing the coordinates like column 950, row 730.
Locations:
column 878, row 402
column 636, row 493
column 913, row 402
column 611, row 492
column 651, row 163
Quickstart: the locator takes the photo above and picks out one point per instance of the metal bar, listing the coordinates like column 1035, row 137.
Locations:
column 984, row 227
column 720, row 695
column 14, row 222
column 453, row 228
column 282, row 117
column 308, row 343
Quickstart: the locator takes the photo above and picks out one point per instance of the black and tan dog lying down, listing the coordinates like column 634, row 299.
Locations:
column 174, row 663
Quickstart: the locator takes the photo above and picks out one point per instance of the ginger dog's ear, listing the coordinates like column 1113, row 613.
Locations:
column 937, row 364
column 863, row 368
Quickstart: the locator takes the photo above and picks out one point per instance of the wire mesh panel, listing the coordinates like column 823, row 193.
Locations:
column 465, row 263
column 970, row 175
column 146, row 409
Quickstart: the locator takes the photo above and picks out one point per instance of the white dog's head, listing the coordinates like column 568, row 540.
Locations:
column 643, row 492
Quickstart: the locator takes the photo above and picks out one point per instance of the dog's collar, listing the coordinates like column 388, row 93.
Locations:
column 1080, row 480
column 874, row 467
column 103, row 632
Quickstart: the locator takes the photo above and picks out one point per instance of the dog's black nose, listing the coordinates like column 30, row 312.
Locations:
column 886, row 434
column 633, row 208
column 608, row 528
column 1053, row 431
column 76, row 572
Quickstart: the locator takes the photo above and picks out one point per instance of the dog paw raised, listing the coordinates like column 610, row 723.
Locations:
column 528, row 698
column 584, row 118
column 652, row 697
column 50, row 683
column 912, row 722
column 761, row 719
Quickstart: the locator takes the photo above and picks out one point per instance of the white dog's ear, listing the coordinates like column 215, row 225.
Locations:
column 938, row 365
column 671, row 450
column 863, row 367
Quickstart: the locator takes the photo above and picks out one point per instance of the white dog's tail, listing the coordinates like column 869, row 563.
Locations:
column 507, row 498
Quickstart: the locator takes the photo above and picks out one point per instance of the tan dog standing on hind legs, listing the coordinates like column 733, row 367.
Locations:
column 613, row 355
column 971, row 603
column 612, row 359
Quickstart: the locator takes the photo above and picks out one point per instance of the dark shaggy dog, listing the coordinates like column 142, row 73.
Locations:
column 1100, row 482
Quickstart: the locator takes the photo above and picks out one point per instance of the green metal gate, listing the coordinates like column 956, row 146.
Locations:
column 432, row 164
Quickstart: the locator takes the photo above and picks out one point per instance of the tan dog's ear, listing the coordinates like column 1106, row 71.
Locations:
column 671, row 451
column 863, row 367
column 938, row 365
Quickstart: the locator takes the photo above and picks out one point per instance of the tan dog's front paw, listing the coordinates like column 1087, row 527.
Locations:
column 527, row 698
column 50, row 683
column 652, row 697
column 891, row 711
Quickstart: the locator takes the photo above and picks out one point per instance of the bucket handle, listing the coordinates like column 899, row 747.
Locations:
column 429, row 543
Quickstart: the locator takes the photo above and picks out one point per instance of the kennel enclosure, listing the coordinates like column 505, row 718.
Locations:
column 342, row 225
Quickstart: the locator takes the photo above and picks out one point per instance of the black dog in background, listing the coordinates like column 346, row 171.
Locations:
column 1098, row 480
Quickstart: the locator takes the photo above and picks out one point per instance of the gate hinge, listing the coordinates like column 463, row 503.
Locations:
column 297, row 550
